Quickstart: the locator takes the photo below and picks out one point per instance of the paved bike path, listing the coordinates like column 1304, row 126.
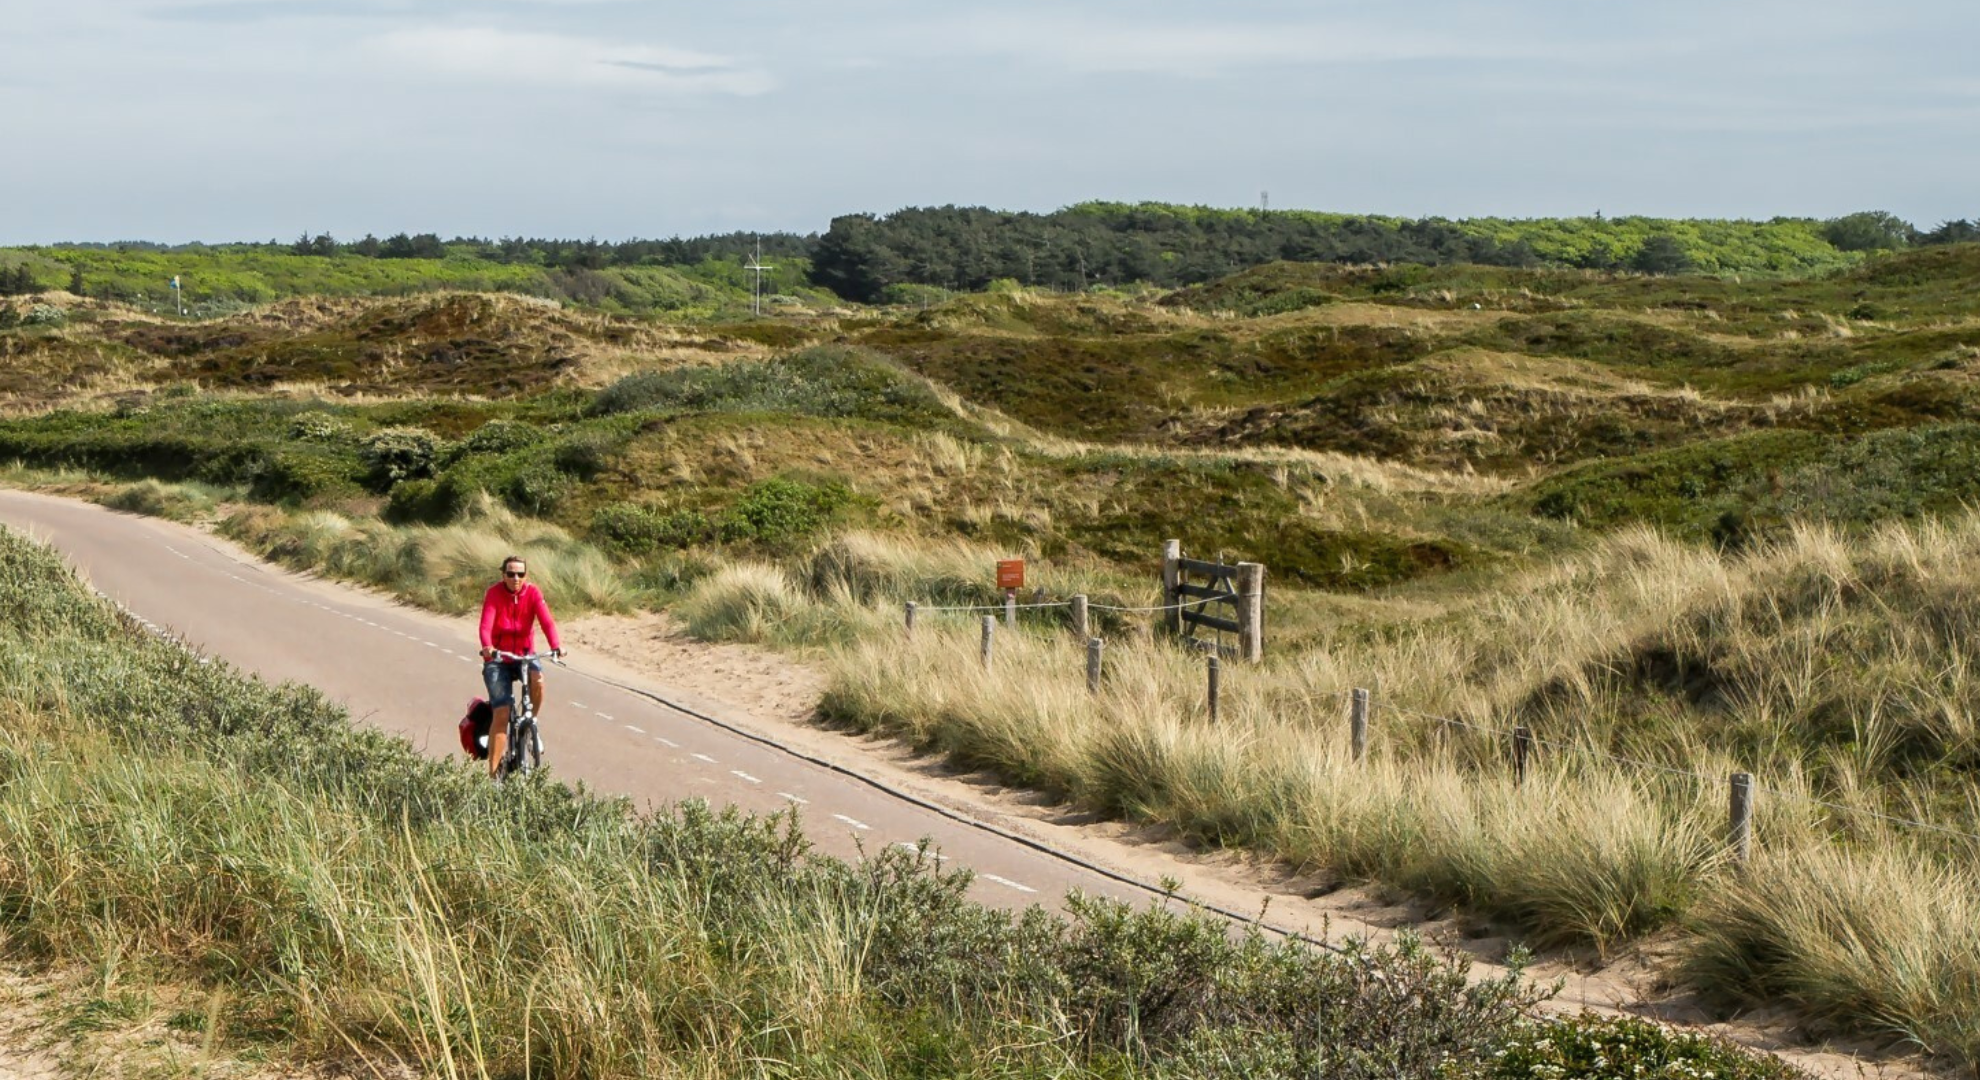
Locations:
column 411, row 672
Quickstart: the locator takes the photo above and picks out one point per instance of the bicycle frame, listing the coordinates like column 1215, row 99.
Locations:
column 524, row 752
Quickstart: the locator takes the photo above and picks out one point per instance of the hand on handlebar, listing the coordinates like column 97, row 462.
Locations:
column 490, row 654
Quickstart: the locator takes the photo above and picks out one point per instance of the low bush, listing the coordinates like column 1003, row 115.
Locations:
column 640, row 530
column 401, row 453
column 782, row 509
column 1627, row 1048
column 316, row 425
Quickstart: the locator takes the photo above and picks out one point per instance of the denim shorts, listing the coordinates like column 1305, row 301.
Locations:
column 501, row 677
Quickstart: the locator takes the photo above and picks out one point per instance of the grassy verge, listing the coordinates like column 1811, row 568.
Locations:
column 335, row 896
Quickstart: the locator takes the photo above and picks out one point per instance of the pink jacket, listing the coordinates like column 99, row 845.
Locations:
column 506, row 619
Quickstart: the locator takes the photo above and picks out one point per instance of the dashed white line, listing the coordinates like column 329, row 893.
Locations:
column 704, row 757
column 582, row 705
column 855, row 824
column 744, row 775
column 604, row 715
column 666, row 742
column 793, row 798
column 916, row 848
column 1008, row 882
column 634, row 730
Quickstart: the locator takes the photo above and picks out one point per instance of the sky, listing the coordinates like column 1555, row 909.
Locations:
column 219, row 120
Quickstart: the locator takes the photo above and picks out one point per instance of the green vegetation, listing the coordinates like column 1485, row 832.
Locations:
column 316, row 873
column 1704, row 522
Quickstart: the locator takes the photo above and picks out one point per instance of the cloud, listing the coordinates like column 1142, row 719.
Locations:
column 513, row 57
column 1094, row 45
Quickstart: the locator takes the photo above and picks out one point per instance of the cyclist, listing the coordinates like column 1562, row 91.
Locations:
column 509, row 612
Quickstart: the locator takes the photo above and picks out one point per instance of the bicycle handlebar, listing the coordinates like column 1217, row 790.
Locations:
column 555, row 656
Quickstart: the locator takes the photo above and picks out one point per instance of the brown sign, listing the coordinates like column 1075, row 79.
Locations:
column 1010, row 573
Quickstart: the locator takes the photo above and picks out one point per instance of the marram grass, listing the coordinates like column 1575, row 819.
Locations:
column 334, row 896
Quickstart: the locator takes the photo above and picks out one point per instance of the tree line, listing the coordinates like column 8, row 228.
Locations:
column 871, row 258
column 554, row 254
column 965, row 248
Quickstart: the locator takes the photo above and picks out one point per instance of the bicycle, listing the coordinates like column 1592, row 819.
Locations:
column 525, row 750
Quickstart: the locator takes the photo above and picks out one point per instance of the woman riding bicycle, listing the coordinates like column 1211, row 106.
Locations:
column 509, row 612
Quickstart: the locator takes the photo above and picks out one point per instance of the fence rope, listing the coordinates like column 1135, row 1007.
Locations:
column 1090, row 606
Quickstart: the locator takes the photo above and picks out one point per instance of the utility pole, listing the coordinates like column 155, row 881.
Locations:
column 756, row 267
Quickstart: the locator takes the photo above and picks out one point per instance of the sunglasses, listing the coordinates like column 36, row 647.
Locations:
column 515, row 573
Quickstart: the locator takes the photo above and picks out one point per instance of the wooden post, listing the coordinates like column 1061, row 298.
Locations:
column 1216, row 668
column 1741, row 827
column 989, row 634
column 1358, row 725
column 1082, row 627
column 1522, row 747
column 910, row 620
column 1010, row 609
column 1094, row 647
column 1251, row 611
column 1171, row 580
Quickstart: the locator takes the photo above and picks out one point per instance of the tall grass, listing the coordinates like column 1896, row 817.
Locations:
column 446, row 568
column 329, row 890
column 1835, row 671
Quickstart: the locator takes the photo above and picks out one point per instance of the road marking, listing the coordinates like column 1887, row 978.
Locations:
column 793, row 798
column 582, row 705
column 704, row 757
column 744, row 775
column 607, row 716
column 1008, row 882
column 916, row 848
column 667, row 742
column 634, row 730
column 854, row 824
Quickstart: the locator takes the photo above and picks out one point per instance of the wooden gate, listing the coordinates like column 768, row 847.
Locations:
column 1219, row 597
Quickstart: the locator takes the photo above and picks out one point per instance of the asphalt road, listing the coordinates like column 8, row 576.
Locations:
column 412, row 672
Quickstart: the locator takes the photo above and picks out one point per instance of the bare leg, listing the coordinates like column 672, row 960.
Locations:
column 498, row 739
column 536, row 692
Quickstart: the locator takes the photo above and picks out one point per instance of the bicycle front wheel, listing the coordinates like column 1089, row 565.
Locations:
column 529, row 753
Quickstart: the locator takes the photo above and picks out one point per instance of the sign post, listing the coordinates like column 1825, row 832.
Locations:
column 1010, row 578
column 179, row 295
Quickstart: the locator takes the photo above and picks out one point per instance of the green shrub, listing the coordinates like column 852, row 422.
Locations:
column 286, row 475
column 401, row 453
column 586, row 454
column 418, row 502
column 538, row 487
column 318, row 426
column 501, row 437
column 631, row 393
column 782, row 509
column 1593, row 1047
column 45, row 315
column 825, row 381
column 640, row 530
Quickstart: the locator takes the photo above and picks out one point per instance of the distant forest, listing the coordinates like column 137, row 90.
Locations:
column 872, row 258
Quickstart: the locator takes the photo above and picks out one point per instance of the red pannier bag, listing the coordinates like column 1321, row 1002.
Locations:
column 474, row 728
